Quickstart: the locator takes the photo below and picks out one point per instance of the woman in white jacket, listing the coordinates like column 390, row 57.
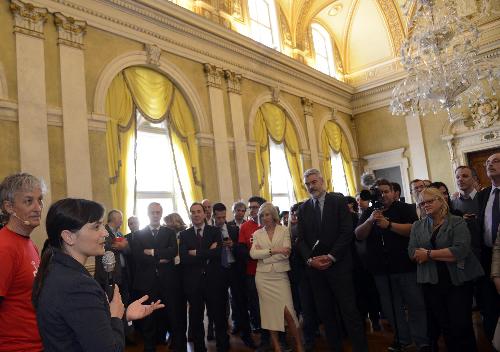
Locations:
column 271, row 247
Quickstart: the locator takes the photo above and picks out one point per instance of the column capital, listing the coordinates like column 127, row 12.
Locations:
column 308, row 106
column 70, row 30
column 233, row 81
column 28, row 18
column 153, row 54
column 214, row 75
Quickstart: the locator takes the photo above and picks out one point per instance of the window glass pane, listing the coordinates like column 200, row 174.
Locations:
column 280, row 180
column 338, row 174
column 154, row 162
column 323, row 49
column 264, row 23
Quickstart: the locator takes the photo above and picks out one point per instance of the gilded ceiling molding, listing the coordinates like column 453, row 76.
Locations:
column 286, row 34
column 70, row 31
column 153, row 54
column 303, row 23
column 394, row 24
column 233, row 81
column 214, row 75
column 347, row 32
column 207, row 43
column 308, row 106
column 28, row 18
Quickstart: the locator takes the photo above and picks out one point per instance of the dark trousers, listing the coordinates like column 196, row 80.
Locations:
column 310, row 321
column 176, row 307
column 239, row 305
column 212, row 291
column 367, row 298
column 334, row 291
column 449, row 312
column 253, row 301
column 487, row 296
column 154, row 325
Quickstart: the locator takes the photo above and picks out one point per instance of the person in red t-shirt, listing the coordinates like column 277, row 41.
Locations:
column 247, row 230
column 21, row 200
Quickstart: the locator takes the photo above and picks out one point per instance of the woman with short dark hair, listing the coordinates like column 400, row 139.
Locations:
column 72, row 309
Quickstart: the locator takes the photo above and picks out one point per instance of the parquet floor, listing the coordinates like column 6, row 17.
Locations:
column 378, row 341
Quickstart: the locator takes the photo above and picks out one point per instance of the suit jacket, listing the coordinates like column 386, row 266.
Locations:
column 73, row 311
column 148, row 269
column 486, row 252
column 100, row 275
column 266, row 261
column 240, row 251
column 334, row 234
column 206, row 261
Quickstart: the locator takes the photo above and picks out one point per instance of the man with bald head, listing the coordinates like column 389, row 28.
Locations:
column 489, row 220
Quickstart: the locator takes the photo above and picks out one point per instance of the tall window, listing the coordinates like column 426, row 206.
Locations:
column 323, row 49
column 338, row 174
column 155, row 175
column 263, row 22
column 281, row 181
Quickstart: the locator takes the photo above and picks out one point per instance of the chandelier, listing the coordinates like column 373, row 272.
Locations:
column 441, row 58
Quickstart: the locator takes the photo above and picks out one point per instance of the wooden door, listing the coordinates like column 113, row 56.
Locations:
column 477, row 160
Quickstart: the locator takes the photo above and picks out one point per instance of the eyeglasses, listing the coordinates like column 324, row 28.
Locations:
column 491, row 162
column 426, row 202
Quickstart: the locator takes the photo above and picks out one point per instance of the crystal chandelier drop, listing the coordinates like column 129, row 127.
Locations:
column 441, row 58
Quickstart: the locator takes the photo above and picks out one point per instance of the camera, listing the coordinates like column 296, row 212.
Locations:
column 371, row 194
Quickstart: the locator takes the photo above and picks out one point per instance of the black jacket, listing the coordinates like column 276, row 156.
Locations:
column 334, row 234
column 73, row 311
column 148, row 269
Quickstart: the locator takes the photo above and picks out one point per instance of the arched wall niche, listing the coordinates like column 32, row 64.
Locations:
column 170, row 70
column 287, row 107
column 345, row 129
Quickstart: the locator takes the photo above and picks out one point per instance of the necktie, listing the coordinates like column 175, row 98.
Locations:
column 495, row 216
column 317, row 213
column 198, row 236
column 155, row 232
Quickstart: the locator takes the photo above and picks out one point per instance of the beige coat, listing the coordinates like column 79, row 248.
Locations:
column 267, row 262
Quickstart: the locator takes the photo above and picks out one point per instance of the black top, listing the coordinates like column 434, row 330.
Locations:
column 73, row 311
column 387, row 251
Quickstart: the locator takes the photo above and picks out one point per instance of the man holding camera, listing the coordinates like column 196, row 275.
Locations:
column 386, row 227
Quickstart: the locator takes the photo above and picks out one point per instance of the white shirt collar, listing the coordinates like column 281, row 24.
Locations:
column 471, row 194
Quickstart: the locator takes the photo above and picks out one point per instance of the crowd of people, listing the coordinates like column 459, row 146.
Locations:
column 332, row 262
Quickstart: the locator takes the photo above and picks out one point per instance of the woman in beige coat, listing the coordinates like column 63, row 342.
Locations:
column 271, row 247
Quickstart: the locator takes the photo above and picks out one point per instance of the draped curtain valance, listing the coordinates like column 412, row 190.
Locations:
column 156, row 97
column 332, row 138
column 272, row 122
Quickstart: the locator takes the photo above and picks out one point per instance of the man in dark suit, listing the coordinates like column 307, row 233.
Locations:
column 489, row 219
column 200, row 250
column 239, row 210
column 324, row 242
column 154, row 250
column 234, row 266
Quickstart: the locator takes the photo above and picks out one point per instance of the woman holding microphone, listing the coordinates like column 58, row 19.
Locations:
column 72, row 309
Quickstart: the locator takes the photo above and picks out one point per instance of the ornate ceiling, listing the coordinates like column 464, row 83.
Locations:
column 366, row 32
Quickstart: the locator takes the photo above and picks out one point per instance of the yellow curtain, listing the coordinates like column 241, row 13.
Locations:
column 333, row 138
column 151, row 92
column 156, row 98
column 184, row 140
column 272, row 121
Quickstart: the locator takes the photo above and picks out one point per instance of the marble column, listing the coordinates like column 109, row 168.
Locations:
column 74, row 106
column 224, row 174
column 29, row 21
column 417, row 149
column 240, row 138
column 311, row 132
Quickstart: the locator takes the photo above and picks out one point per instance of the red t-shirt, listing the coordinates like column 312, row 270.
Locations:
column 19, row 261
column 247, row 230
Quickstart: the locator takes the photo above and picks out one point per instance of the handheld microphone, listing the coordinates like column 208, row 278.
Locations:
column 25, row 222
column 109, row 261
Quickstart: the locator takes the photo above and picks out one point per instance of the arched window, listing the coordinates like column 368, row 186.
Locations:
column 155, row 170
column 323, row 49
column 281, row 181
column 264, row 23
